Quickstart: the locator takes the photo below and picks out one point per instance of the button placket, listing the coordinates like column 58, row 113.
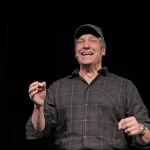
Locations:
column 85, row 118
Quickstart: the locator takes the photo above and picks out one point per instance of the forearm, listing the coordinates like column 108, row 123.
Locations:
column 145, row 139
column 38, row 119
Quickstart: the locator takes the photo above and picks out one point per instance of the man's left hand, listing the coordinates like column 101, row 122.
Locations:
column 130, row 126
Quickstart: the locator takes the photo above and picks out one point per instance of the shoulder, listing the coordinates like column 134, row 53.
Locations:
column 62, row 81
column 67, row 79
column 123, row 83
column 115, row 78
column 120, row 79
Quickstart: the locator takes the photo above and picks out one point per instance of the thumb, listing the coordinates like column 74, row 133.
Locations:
column 44, row 84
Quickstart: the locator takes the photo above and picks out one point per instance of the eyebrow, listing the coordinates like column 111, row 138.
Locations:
column 88, row 38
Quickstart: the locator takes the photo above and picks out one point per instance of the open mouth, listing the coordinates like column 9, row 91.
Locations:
column 86, row 53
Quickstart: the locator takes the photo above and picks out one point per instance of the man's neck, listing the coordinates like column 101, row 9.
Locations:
column 89, row 73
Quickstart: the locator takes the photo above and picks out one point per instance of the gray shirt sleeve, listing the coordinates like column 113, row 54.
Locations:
column 137, row 108
column 50, row 115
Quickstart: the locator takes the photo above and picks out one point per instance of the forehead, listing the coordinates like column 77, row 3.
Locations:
column 87, row 36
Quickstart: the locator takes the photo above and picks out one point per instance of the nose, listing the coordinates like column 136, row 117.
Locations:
column 86, row 45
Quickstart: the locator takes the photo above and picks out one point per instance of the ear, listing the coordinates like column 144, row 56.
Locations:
column 103, row 51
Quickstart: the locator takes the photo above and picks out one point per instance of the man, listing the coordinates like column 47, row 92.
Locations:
column 92, row 108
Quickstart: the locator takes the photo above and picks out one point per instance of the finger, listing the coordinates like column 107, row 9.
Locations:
column 129, row 119
column 133, row 133
column 131, row 129
column 120, row 123
column 31, row 89
column 33, row 93
column 128, row 125
column 33, row 84
column 42, row 85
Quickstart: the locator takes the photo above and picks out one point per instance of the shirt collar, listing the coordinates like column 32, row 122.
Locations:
column 104, row 71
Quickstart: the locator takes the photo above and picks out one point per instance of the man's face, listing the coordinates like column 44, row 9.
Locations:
column 89, row 50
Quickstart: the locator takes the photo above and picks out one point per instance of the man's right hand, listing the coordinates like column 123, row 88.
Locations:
column 37, row 93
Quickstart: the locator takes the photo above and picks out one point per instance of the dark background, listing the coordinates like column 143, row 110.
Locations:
column 37, row 44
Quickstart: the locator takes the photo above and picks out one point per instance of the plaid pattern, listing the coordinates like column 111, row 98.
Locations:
column 86, row 116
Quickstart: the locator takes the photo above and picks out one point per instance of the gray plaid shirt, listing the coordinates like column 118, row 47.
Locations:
column 86, row 116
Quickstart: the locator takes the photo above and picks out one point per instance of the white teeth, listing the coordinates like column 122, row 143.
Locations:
column 86, row 53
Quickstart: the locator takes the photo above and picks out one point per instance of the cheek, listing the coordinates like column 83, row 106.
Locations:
column 77, row 51
column 99, row 55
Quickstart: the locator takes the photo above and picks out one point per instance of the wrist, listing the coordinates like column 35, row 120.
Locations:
column 142, row 130
column 143, row 138
column 38, row 106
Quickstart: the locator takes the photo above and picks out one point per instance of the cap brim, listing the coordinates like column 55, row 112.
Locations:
column 86, row 30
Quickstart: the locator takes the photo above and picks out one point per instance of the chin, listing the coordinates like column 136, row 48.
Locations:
column 86, row 64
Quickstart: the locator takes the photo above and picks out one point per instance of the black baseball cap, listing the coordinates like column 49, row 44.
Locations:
column 89, row 29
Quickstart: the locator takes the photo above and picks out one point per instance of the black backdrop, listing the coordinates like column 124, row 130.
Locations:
column 38, row 45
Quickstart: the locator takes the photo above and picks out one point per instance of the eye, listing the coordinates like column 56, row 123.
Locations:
column 93, row 40
column 80, row 41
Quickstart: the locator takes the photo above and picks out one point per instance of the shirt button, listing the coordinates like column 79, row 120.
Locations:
column 85, row 119
column 84, row 137
column 86, row 104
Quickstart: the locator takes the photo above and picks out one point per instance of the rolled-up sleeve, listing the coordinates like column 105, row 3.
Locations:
column 50, row 115
column 137, row 108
